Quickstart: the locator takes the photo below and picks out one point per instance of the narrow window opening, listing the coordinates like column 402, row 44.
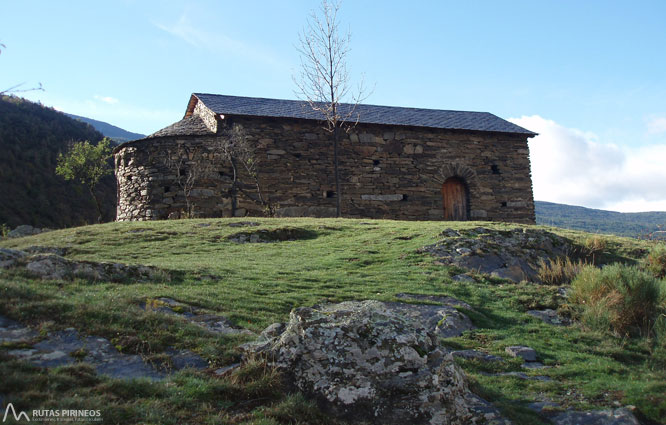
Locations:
column 504, row 204
column 495, row 169
column 375, row 162
column 329, row 194
column 297, row 155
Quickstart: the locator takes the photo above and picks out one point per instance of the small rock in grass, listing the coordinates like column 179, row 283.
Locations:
column 620, row 416
column 543, row 407
column 9, row 257
column 23, row 230
column 227, row 369
column 526, row 353
column 14, row 332
column 513, row 272
column 563, row 291
column 548, row 316
column 476, row 355
column 182, row 359
column 463, row 278
column 46, row 250
column 243, row 224
column 521, row 375
column 533, row 365
column 212, row 322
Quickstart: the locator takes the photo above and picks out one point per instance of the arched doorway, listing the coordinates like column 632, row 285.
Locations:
column 454, row 199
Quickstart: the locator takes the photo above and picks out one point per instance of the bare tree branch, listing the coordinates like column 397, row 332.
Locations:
column 189, row 166
column 15, row 89
column 323, row 80
column 235, row 148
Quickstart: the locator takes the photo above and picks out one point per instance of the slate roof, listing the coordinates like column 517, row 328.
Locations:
column 367, row 114
column 188, row 126
column 192, row 125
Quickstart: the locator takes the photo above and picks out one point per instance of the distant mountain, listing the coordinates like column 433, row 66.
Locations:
column 31, row 136
column 111, row 131
column 599, row 221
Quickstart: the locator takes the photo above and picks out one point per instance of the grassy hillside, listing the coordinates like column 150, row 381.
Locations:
column 31, row 136
column 599, row 221
column 256, row 284
column 117, row 134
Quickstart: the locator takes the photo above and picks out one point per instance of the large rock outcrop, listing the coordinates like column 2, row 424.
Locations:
column 513, row 254
column 25, row 230
column 364, row 360
column 66, row 347
column 48, row 263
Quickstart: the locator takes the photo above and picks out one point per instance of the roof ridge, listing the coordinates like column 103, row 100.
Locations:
column 415, row 108
column 367, row 113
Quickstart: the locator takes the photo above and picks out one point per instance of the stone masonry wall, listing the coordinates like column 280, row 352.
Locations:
column 386, row 172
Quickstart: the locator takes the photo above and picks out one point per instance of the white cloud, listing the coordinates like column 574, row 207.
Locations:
column 656, row 125
column 638, row 205
column 571, row 166
column 195, row 34
column 107, row 99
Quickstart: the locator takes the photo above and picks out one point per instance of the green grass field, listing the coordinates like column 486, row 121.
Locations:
column 256, row 284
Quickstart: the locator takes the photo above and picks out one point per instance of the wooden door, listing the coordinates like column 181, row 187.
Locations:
column 454, row 199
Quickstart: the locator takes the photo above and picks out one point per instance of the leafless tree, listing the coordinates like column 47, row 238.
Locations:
column 323, row 81
column 240, row 153
column 16, row 88
column 189, row 166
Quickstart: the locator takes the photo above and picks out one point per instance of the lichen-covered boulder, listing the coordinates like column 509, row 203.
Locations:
column 25, row 230
column 440, row 317
column 49, row 266
column 9, row 257
column 47, row 263
column 513, row 254
column 364, row 361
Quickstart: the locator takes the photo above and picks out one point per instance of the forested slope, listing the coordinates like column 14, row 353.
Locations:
column 31, row 136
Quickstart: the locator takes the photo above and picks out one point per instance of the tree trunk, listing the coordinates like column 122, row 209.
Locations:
column 338, row 193
column 99, row 207
column 234, row 188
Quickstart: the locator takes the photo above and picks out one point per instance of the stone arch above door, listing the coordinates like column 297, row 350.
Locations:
column 455, row 169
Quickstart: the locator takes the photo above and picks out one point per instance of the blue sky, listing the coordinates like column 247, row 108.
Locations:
column 590, row 76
